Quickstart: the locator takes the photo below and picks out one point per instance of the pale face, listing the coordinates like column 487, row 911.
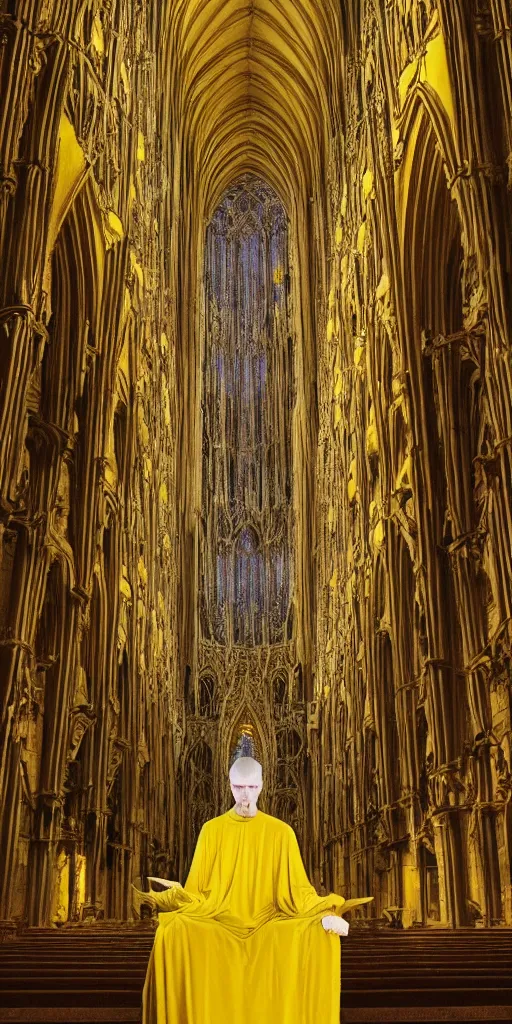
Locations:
column 246, row 785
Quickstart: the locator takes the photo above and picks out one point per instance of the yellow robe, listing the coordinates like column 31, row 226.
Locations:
column 242, row 943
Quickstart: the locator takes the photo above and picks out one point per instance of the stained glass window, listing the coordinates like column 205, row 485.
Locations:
column 247, row 405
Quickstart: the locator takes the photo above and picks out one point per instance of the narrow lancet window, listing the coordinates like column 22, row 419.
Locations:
column 247, row 544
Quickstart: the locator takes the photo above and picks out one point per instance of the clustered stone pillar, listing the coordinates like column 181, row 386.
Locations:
column 86, row 642
column 415, row 605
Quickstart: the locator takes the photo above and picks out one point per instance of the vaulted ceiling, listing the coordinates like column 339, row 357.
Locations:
column 252, row 84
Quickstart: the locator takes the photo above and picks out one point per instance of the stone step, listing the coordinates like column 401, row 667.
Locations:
column 45, row 975
column 425, row 997
column 394, row 1015
column 350, row 942
column 53, row 977
column 421, row 997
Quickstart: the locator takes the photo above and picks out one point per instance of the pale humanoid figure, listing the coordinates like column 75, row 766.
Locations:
column 246, row 780
column 232, row 944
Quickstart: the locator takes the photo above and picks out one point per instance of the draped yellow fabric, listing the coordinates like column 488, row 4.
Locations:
column 242, row 943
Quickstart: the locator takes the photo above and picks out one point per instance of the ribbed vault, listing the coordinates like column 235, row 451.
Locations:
column 253, row 88
column 254, row 82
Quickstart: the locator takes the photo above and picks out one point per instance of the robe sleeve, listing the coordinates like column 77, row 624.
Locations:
column 296, row 895
column 198, row 876
column 193, row 892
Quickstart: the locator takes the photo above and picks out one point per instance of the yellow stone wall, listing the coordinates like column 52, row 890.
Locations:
column 413, row 622
column 87, row 530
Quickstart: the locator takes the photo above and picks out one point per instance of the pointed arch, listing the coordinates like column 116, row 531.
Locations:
column 198, row 776
column 432, row 229
column 207, row 695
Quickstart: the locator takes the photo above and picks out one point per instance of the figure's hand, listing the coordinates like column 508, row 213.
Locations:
column 335, row 925
column 163, row 882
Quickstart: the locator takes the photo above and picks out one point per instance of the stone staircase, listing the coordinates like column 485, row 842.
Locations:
column 95, row 974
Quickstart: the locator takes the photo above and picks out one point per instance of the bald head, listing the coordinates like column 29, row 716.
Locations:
column 246, row 769
column 246, row 778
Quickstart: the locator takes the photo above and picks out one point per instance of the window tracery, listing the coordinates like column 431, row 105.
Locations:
column 280, row 695
column 200, row 789
column 247, row 405
column 207, row 697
